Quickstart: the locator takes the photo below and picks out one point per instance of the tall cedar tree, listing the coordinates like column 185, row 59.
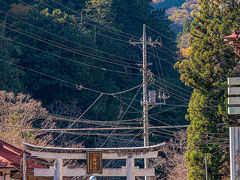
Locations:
column 210, row 62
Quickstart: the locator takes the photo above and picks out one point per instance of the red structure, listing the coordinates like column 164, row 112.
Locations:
column 234, row 41
column 11, row 163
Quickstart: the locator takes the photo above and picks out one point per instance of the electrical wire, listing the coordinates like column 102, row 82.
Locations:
column 167, row 110
column 68, row 59
column 165, row 60
column 159, row 33
column 98, row 33
column 172, row 84
column 95, row 22
column 88, row 134
column 58, row 36
column 64, row 81
column 172, row 94
column 67, row 49
column 180, row 93
column 158, row 62
column 75, row 121
column 93, row 122
column 98, row 129
column 158, row 119
column 112, row 32
column 123, row 114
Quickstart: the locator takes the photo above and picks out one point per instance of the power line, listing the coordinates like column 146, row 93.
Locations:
column 187, row 91
column 112, row 32
column 113, row 38
column 165, row 60
column 95, row 22
column 58, row 36
column 158, row 62
column 75, row 25
column 123, row 114
column 103, row 129
column 174, row 89
column 107, row 35
column 160, row 33
column 89, row 134
column 77, row 119
column 158, row 119
column 67, row 49
column 172, row 94
column 89, row 65
column 164, row 52
column 99, row 33
column 157, row 113
column 64, row 81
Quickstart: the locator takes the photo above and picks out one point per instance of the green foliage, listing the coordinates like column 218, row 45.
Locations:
column 211, row 62
column 99, row 11
column 169, row 3
column 10, row 76
column 52, row 55
column 181, row 14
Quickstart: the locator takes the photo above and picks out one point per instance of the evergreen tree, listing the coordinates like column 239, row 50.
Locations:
column 10, row 76
column 211, row 62
column 124, row 15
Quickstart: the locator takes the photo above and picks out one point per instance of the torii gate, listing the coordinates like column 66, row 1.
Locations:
column 127, row 153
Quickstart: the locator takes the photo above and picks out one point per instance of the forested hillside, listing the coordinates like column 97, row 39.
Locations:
column 177, row 11
column 166, row 4
column 68, row 53
column 78, row 64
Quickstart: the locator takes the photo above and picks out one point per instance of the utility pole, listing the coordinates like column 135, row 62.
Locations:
column 206, row 168
column 24, row 167
column 145, row 95
column 145, row 103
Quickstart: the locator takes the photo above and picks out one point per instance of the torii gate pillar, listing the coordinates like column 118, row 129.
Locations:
column 130, row 165
column 58, row 175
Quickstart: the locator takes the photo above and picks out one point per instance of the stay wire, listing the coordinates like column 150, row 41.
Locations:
column 75, row 121
column 123, row 114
